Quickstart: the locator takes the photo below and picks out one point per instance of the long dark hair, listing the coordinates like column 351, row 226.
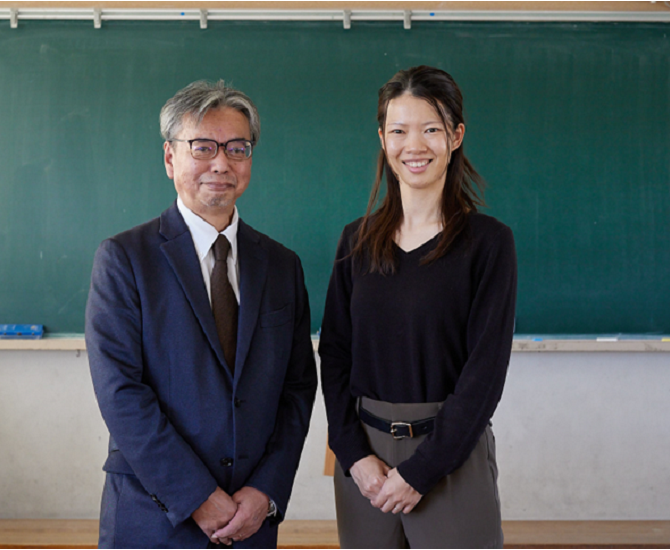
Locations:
column 463, row 187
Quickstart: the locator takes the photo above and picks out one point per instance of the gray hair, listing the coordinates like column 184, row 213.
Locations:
column 198, row 98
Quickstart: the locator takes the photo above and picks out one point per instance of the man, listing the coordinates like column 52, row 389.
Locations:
column 197, row 330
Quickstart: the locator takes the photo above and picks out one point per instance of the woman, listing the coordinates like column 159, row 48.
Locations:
column 417, row 335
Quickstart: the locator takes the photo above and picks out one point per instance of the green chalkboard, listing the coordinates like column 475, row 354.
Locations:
column 568, row 123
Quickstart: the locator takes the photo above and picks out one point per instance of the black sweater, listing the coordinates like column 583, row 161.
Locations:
column 428, row 333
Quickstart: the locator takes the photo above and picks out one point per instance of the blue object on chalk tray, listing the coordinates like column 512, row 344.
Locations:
column 29, row 332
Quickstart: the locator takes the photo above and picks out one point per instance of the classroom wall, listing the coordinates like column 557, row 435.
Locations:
column 581, row 436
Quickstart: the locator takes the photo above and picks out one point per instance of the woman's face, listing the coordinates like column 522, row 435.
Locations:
column 418, row 146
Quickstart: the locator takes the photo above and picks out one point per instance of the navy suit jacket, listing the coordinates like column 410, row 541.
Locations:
column 180, row 423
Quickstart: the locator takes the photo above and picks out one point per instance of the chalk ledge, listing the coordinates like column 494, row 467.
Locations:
column 75, row 342
column 55, row 342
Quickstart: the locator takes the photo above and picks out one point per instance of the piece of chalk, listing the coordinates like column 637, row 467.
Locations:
column 537, row 339
column 606, row 339
column 665, row 339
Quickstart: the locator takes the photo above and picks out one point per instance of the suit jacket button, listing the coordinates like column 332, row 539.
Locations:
column 226, row 462
column 238, row 402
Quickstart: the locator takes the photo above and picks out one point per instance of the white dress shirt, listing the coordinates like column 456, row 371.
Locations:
column 204, row 235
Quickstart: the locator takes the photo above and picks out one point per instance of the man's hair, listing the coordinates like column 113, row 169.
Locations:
column 198, row 98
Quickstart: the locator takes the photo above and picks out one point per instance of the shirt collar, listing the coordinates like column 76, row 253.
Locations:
column 205, row 234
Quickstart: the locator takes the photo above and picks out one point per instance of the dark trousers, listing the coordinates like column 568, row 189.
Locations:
column 461, row 511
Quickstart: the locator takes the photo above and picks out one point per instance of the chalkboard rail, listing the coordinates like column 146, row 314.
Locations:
column 98, row 15
column 552, row 344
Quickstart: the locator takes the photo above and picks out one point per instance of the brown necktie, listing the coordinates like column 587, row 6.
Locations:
column 224, row 303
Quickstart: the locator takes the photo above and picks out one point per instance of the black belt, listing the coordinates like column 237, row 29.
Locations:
column 397, row 429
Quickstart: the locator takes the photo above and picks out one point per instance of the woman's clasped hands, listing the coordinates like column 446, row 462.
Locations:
column 383, row 486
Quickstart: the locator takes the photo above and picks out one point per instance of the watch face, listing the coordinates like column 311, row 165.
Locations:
column 272, row 508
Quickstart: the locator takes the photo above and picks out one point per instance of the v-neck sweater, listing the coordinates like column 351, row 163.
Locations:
column 440, row 332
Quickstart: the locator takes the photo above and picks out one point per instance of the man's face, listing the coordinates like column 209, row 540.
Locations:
column 209, row 187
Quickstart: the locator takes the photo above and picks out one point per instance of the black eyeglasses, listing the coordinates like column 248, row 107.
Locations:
column 206, row 149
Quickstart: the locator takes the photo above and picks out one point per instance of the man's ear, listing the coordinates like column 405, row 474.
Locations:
column 168, row 157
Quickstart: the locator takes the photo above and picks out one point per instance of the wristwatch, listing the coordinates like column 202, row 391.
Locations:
column 272, row 508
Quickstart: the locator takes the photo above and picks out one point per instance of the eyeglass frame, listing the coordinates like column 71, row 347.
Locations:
column 218, row 146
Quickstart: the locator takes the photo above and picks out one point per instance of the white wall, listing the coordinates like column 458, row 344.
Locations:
column 53, row 441
column 585, row 436
column 579, row 435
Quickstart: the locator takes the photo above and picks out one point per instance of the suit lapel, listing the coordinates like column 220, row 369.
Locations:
column 180, row 254
column 253, row 260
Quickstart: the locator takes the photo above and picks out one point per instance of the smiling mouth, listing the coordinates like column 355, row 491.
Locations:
column 221, row 185
column 417, row 163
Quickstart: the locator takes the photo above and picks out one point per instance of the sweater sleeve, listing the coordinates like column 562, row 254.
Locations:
column 345, row 434
column 467, row 411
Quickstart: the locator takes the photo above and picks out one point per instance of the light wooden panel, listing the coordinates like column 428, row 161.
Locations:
column 587, row 534
column 25, row 533
column 48, row 533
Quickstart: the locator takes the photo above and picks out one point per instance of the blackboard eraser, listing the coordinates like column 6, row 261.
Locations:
column 28, row 332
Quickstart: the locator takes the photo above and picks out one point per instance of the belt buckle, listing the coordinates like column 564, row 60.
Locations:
column 394, row 426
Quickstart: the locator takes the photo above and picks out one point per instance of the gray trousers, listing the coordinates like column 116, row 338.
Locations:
column 461, row 511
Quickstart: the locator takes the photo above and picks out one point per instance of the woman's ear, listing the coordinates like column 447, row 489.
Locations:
column 457, row 137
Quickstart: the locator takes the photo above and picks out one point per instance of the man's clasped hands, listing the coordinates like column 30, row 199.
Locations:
column 224, row 518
